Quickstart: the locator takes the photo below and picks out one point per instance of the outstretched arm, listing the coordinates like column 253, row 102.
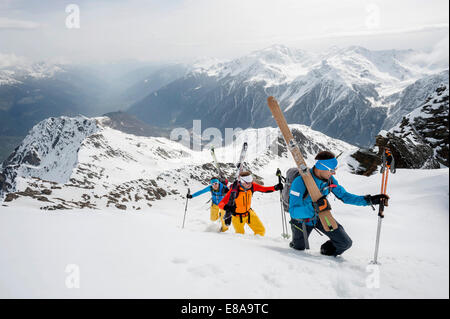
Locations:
column 204, row 190
column 347, row 197
column 263, row 189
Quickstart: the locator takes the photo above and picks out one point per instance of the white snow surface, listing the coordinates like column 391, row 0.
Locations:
column 146, row 254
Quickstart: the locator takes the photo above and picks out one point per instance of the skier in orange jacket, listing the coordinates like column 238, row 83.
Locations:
column 239, row 200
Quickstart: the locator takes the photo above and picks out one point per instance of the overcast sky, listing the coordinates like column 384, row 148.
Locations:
column 182, row 30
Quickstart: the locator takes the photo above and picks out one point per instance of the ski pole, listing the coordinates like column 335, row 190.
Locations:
column 185, row 208
column 386, row 166
column 283, row 217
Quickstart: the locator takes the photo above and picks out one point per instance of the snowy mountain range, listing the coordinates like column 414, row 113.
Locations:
column 347, row 93
column 31, row 92
column 18, row 73
column 82, row 162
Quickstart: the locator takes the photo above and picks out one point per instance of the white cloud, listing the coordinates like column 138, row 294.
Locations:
column 414, row 29
column 8, row 60
column 437, row 57
column 185, row 29
column 12, row 24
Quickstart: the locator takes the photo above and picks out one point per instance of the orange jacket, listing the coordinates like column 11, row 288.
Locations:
column 243, row 200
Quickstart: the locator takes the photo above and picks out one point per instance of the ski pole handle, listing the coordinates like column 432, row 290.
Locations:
column 280, row 177
column 278, row 173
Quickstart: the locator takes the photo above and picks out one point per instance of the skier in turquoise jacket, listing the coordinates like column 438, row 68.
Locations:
column 218, row 190
column 302, row 210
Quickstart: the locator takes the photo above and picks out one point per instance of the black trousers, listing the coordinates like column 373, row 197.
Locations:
column 227, row 217
column 338, row 241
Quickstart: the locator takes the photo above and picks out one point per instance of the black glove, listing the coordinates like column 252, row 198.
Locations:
column 278, row 187
column 376, row 199
column 189, row 196
column 322, row 204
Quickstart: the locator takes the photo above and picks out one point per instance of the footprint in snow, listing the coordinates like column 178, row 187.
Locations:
column 204, row 270
column 213, row 228
column 271, row 279
column 180, row 260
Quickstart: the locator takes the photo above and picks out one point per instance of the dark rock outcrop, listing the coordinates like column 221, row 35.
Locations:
column 419, row 141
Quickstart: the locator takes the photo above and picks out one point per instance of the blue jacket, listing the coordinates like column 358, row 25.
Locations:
column 302, row 208
column 216, row 196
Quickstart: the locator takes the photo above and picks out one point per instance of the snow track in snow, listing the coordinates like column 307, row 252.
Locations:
column 147, row 255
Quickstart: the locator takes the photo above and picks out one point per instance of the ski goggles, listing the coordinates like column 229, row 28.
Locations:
column 247, row 179
column 214, row 181
column 327, row 165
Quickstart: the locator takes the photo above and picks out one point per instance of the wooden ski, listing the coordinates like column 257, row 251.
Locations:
column 216, row 164
column 327, row 220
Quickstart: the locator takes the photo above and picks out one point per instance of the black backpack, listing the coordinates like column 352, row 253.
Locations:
column 231, row 205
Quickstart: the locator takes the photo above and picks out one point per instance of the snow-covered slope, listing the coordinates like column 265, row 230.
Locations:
column 146, row 254
column 50, row 149
column 79, row 162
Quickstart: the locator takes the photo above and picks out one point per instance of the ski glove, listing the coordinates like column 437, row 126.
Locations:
column 188, row 196
column 278, row 187
column 376, row 199
column 322, row 204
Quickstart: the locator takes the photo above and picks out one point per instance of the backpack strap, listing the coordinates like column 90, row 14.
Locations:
column 330, row 186
column 233, row 194
column 305, row 194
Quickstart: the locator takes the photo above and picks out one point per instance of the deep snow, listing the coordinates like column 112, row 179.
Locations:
column 146, row 254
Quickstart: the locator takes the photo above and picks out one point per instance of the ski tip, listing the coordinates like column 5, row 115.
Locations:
column 271, row 100
column 272, row 103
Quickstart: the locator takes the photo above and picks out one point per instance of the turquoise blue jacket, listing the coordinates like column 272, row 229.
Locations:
column 216, row 196
column 300, row 207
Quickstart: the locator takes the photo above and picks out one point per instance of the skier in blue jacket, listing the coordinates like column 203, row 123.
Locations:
column 218, row 190
column 302, row 210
